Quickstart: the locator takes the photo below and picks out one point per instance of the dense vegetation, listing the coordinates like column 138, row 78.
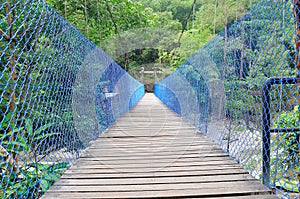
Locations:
column 161, row 33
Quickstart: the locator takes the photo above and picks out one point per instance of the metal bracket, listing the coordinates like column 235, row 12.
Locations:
column 266, row 122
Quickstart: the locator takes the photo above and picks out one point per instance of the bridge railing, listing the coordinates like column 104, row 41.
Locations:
column 220, row 90
column 58, row 92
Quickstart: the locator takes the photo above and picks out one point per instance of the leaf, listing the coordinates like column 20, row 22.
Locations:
column 7, row 117
column 288, row 184
column 51, row 177
column 3, row 136
column 44, row 127
column 40, row 166
column 44, row 136
column 23, row 142
column 14, row 146
column 60, row 166
column 28, row 124
column 45, row 185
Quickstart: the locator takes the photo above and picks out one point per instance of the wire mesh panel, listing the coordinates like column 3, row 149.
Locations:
column 220, row 90
column 58, row 93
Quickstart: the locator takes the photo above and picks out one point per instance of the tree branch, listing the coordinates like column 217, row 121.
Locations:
column 4, row 35
column 112, row 17
column 186, row 21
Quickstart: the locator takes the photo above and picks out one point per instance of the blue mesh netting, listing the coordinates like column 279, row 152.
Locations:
column 58, row 92
column 219, row 90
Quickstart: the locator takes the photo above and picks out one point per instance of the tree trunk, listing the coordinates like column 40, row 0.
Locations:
column 65, row 9
column 13, row 73
column 12, row 68
column 242, row 54
column 297, row 58
column 86, row 18
column 215, row 16
column 297, row 39
column 98, row 18
column 223, row 75
column 193, row 22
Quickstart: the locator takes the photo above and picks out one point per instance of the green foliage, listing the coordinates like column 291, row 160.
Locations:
column 98, row 20
column 25, row 176
column 178, row 8
column 35, row 106
column 32, row 180
column 102, row 20
column 238, row 100
column 289, row 185
column 265, row 51
column 289, row 142
column 285, row 164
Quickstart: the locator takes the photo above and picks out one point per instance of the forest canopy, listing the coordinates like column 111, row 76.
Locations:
column 178, row 28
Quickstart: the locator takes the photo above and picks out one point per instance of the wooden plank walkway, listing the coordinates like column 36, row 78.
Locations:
column 151, row 152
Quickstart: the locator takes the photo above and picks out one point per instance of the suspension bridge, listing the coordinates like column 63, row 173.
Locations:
column 74, row 124
column 151, row 152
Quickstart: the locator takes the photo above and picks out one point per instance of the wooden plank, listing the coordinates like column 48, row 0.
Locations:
column 162, row 146
column 159, row 154
column 95, row 164
column 151, row 152
column 247, row 197
column 156, row 180
column 157, row 187
column 87, row 175
column 147, row 170
column 152, row 160
column 146, row 144
column 201, row 152
column 149, row 145
column 157, row 136
column 213, row 193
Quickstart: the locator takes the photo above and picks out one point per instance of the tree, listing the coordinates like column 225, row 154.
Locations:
column 98, row 22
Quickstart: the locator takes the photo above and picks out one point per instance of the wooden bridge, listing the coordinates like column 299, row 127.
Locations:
column 151, row 152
